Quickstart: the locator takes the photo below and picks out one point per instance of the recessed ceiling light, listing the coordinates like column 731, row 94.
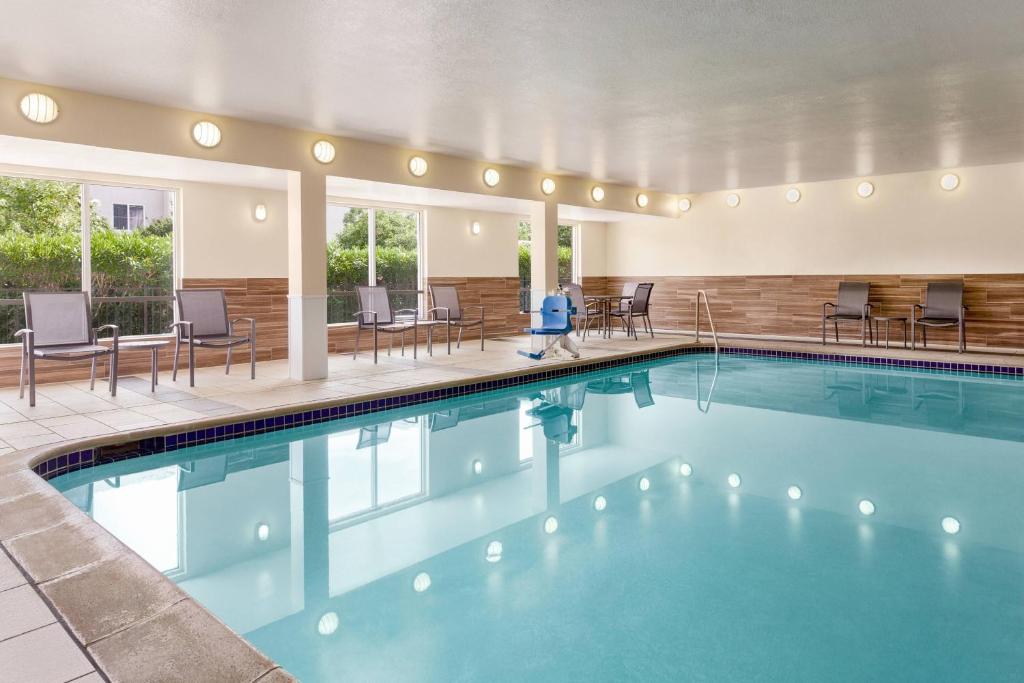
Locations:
column 547, row 186
column 494, row 550
column 685, row 469
column 794, row 492
column 260, row 212
column 328, row 623
column 418, row 166
column 644, row 484
column 206, row 134
column 421, row 582
column 597, row 193
column 951, row 525
column 950, row 181
column 491, row 177
column 866, row 507
column 642, row 200
column 732, row 200
column 792, row 195
column 323, row 151
column 39, row 108
column 551, row 525
column 600, row 503
column 734, row 480
column 685, row 204
column 865, row 189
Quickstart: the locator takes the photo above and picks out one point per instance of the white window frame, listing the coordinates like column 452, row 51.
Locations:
column 85, row 226
column 371, row 242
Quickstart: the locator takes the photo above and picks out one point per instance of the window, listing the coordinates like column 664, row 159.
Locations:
column 129, row 271
column 375, row 467
column 372, row 245
column 568, row 259
column 128, row 216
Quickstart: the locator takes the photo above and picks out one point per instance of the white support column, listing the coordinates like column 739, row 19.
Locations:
column 543, row 251
column 307, row 275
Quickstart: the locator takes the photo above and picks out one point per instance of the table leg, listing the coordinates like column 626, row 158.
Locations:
column 154, row 363
column 886, row 334
column 904, row 334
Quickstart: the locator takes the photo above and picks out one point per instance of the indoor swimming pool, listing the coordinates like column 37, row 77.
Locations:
column 685, row 519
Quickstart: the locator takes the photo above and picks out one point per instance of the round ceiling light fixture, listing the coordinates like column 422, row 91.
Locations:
column 491, row 177
column 206, row 134
column 732, row 200
column 547, row 186
column 793, row 195
column 866, row 507
column 865, row 189
column 951, row 525
column 950, row 182
column 794, row 493
column 418, row 166
column 328, row 623
column 421, row 582
column 39, row 108
column 642, row 200
column 685, row 204
column 597, row 193
column 734, row 480
column 323, row 151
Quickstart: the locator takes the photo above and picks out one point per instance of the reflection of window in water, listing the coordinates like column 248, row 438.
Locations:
column 526, row 427
column 142, row 511
column 374, row 466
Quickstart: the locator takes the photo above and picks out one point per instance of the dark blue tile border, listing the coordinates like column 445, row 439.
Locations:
column 77, row 460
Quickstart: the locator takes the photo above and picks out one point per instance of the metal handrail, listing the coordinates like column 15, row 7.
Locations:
column 711, row 392
column 711, row 322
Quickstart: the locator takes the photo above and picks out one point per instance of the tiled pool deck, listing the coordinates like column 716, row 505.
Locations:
column 83, row 607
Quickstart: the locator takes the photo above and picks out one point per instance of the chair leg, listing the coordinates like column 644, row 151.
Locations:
column 31, row 380
column 650, row 325
column 924, row 336
column 92, row 374
column 174, row 365
column 458, row 342
column 375, row 340
column 963, row 343
column 355, row 351
column 252, row 358
column 482, row 335
column 227, row 365
column 863, row 332
column 403, row 343
column 822, row 329
column 21, row 376
column 836, row 322
column 191, row 363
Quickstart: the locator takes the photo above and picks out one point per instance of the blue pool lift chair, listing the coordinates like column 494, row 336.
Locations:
column 556, row 323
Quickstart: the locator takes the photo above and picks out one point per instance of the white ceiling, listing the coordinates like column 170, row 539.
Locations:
column 684, row 95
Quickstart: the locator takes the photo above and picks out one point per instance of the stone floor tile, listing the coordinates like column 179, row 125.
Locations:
column 46, row 655
column 23, row 611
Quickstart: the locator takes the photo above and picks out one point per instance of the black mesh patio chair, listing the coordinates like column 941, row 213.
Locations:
column 58, row 327
column 852, row 305
column 637, row 307
column 447, row 307
column 586, row 313
column 203, row 321
column 377, row 315
column 943, row 307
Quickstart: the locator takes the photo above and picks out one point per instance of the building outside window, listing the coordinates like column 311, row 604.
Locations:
column 49, row 243
column 372, row 246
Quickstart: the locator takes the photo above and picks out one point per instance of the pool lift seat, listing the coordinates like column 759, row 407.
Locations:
column 556, row 323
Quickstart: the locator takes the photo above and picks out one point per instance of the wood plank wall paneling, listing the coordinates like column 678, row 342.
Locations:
column 500, row 298
column 790, row 306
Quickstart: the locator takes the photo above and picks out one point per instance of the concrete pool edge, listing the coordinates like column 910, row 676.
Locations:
column 33, row 515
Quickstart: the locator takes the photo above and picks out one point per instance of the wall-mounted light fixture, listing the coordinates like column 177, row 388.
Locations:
column 206, row 134
column 685, row 204
column 259, row 212
column 418, row 166
column 732, row 200
column 949, row 182
column 597, row 193
column 547, row 186
column 793, row 195
column 475, row 227
column 323, row 151
column 39, row 108
column 491, row 177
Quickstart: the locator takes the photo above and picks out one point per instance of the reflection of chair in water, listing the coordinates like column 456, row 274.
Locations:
column 444, row 419
column 198, row 473
column 851, row 391
column 555, row 420
column 640, row 383
column 957, row 396
column 374, row 435
column 609, row 385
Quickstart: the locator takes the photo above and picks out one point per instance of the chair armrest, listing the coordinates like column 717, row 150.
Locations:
column 867, row 310
column 358, row 315
column 28, row 340
column 183, row 326
column 113, row 328
column 478, row 307
column 434, row 311
column 824, row 307
column 252, row 325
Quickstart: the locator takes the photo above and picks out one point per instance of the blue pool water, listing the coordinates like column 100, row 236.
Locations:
column 550, row 533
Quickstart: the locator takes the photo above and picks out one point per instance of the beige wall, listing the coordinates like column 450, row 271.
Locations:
column 221, row 238
column 593, row 249
column 977, row 228
column 453, row 251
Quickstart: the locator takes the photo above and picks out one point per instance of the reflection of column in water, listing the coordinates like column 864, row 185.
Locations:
column 309, row 522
